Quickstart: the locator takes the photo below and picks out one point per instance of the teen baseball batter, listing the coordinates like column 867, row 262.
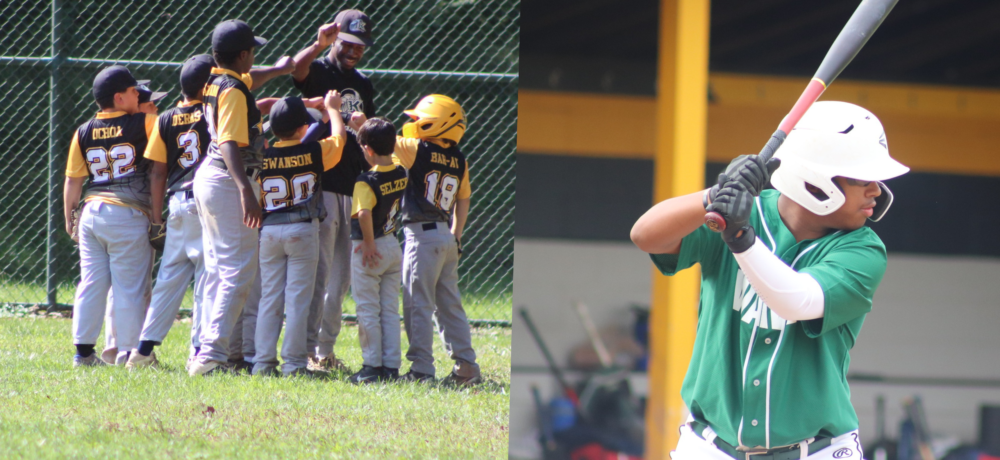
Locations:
column 785, row 289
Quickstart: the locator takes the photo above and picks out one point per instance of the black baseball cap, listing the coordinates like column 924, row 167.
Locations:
column 113, row 80
column 234, row 35
column 148, row 95
column 195, row 73
column 355, row 27
column 288, row 114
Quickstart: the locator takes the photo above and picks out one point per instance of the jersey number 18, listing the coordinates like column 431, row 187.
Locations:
column 441, row 192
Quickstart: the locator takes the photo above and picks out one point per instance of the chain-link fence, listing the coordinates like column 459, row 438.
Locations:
column 51, row 51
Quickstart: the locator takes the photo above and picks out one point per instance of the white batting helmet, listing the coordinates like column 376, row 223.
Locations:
column 835, row 139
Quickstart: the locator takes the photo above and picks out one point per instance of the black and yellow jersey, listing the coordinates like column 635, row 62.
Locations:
column 379, row 190
column 108, row 151
column 291, row 177
column 439, row 175
column 232, row 115
column 180, row 139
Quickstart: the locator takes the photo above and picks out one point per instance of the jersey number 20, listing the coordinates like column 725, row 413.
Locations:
column 105, row 164
column 441, row 192
column 277, row 190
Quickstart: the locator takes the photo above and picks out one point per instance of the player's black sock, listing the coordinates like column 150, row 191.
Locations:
column 146, row 347
column 84, row 350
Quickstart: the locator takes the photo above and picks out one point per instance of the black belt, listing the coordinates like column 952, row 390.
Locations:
column 183, row 194
column 221, row 164
column 791, row 452
column 428, row 226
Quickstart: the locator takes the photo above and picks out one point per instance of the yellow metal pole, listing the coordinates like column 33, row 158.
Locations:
column 679, row 161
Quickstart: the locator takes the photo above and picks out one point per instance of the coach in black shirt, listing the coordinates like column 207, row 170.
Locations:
column 349, row 34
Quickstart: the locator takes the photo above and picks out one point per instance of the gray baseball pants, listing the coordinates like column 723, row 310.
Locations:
column 231, row 250
column 333, row 274
column 242, row 345
column 288, row 276
column 430, row 288
column 182, row 258
column 376, row 294
column 114, row 253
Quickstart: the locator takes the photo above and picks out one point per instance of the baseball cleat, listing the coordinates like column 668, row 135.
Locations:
column 241, row 366
column 203, row 368
column 137, row 360
column 109, row 356
column 301, row 372
column 414, row 376
column 464, row 374
column 328, row 364
column 265, row 370
column 90, row 361
column 367, row 374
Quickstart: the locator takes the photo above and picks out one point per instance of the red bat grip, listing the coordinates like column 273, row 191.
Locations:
column 714, row 220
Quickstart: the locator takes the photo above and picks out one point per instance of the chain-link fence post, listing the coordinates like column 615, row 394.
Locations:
column 57, row 53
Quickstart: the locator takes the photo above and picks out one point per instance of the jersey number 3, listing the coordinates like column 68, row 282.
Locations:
column 105, row 164
column 191, row 144
column 441, row 192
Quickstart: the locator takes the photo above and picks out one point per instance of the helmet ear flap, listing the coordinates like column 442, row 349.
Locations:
column 882, row 203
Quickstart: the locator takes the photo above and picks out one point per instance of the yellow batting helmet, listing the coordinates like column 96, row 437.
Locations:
column 436, row 117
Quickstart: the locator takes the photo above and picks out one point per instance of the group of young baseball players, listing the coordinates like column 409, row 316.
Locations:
column 271, row 234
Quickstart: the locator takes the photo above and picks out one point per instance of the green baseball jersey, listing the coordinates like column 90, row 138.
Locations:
column 755, row 378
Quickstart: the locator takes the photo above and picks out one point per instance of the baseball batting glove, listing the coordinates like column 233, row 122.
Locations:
column 75, row 228
column 749, row 170
column 734, row 202
column 157, row 236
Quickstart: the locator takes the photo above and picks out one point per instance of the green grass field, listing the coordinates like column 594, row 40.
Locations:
column 477, row 306
column 50, row 410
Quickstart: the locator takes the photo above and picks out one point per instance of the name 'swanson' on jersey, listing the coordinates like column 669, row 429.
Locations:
column 289, row 182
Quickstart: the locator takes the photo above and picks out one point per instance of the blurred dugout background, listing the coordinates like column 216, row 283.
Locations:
column 591, row 73
column 51, row 50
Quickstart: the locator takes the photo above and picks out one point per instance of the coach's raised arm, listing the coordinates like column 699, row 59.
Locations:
column 347, row 36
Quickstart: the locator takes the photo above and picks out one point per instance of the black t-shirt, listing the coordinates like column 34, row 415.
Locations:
column 356, row 91
column 357, row 95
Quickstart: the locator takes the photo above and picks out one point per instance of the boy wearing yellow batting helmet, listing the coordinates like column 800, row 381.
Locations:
column 434, row 211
